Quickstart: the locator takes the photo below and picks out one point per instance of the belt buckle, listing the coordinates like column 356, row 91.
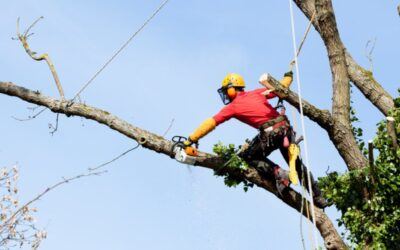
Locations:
column 269, row 129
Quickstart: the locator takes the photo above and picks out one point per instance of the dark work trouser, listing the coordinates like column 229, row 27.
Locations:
column 264, row 144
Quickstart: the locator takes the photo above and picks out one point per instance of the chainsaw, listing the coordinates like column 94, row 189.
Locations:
column 184, row 154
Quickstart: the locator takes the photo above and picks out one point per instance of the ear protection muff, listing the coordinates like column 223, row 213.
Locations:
column 231, row 92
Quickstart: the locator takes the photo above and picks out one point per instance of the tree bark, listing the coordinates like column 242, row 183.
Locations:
column 159, row 144
column 371, row 89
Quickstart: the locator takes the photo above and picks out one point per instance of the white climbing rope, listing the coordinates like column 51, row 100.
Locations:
column 302, row 120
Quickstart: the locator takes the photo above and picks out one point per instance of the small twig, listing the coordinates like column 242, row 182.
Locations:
column 391, row 129
column 34, row 108
column 24, row 40
column 114, row 159
column 327, row 170
column 369, row 50
column 31, row 26
column 169, row 127
column 54, row 128
column 30, row 117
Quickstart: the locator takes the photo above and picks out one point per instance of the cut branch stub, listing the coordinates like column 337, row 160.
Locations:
column 322, row 117
column 391, row 128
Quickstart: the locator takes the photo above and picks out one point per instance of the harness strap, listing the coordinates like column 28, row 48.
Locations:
column 280, row 119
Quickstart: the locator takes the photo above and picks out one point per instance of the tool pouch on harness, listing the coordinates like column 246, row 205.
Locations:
column 271, row 135
column 273, row 132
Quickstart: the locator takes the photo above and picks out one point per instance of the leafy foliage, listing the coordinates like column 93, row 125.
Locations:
column 232, row 162
column 373, row 221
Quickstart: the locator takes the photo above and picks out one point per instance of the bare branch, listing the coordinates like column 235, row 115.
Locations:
column 31, row 26
column 24, row 40
column 391, row 129
column 64, row 181
column 114, row 159
column 30, row 117
column 367, row 84
column 53, row 128
column 341, row 82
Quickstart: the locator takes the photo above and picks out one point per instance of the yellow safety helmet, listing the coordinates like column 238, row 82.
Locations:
column 233, row 79
column 231, row 82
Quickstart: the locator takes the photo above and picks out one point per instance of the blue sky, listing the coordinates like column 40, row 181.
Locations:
column 171, row 71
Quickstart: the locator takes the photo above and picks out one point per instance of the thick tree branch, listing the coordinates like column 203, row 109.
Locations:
column 341, row 82
column 341, row 132
column 159, row 144
column 366, row 83
column 361, row 77
column 321, row 117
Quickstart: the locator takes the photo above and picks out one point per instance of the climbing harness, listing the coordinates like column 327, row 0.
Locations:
column 120, row 50
column 296, row 53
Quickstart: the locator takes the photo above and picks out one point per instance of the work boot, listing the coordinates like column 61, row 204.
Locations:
column 282, row 179
column 320, row 202
column 318, row 199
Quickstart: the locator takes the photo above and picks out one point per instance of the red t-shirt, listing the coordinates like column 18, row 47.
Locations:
column 249, row 107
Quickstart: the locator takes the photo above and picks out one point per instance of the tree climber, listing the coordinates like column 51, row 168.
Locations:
column 275, row 132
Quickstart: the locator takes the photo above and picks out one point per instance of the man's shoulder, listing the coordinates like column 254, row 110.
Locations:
column 256, row 91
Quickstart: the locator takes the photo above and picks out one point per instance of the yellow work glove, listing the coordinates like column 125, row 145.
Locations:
column 294, row 152
column 287, row 79
column 206, row 127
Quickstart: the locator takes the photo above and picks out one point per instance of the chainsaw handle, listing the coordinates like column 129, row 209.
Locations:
column 178, row 138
